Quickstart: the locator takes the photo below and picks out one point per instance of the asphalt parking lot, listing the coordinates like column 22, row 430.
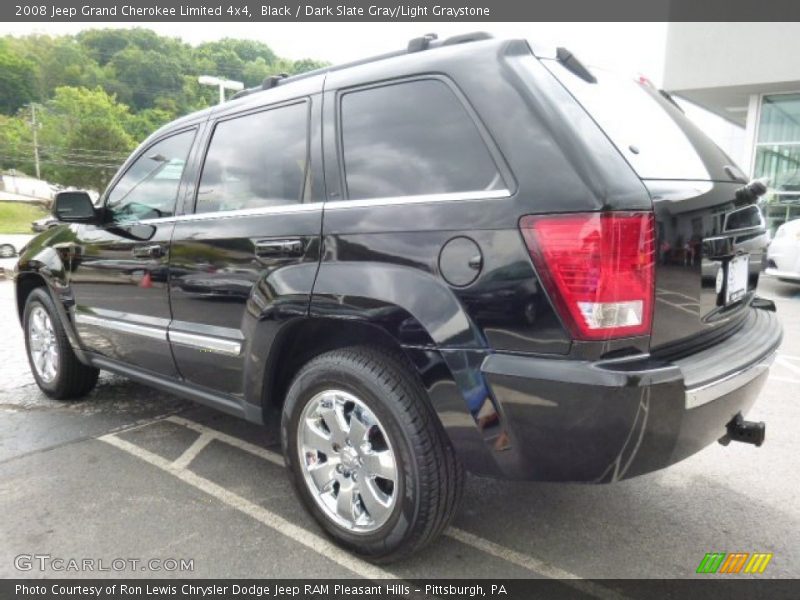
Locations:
column 135, row 473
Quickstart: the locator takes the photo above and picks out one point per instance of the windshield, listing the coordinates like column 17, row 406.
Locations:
column 641, row 129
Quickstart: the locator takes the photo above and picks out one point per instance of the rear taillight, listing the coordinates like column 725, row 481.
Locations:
column 598, row 269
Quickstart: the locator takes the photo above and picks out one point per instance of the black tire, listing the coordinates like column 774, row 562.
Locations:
column 72, row 378
column 7, row 251
column 431, row 478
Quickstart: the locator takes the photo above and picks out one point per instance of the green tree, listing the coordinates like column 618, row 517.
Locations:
column 83, row 137
column 138, row 77
column 306, row 64
column 16, row 143
column 145, row 122
column 16, row 79
column 104, row 90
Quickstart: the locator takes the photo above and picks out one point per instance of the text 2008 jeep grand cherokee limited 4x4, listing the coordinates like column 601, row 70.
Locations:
column 469, row 254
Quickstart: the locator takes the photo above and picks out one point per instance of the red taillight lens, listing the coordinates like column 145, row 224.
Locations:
column 598, row 269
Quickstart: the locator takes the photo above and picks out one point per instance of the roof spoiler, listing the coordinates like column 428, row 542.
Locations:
column 571, row 63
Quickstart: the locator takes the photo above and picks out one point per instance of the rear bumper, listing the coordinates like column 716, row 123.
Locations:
column 603, row 421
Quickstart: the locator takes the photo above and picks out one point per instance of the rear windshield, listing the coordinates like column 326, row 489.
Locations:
column 641, row 129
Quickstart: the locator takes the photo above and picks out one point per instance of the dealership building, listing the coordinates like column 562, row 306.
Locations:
column 748, row 74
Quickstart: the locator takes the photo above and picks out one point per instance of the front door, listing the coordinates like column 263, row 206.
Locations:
column 118, row 271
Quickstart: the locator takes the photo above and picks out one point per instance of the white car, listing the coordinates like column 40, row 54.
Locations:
column 783, row 255
column 8, row 258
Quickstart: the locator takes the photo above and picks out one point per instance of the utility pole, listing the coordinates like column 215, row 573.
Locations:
column 224, row 84
column 35, row 127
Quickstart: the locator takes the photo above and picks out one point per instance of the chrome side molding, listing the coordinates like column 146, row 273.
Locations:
column 155, row 333
column 203, row 343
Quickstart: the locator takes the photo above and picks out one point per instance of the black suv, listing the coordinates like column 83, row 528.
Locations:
column 470, row 253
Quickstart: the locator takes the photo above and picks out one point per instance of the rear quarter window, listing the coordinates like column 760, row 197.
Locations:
column 413, row 138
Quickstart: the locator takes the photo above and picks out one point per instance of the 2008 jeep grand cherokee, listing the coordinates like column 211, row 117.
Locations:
column 469, row 254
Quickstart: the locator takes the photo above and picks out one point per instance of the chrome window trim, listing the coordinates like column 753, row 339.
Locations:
column 242, row 212
column 419, row 199
column 709, row 392
column 147, row 331
column 202, row 342
column 334, row 205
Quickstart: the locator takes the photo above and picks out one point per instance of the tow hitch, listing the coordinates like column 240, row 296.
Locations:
column 748, row 432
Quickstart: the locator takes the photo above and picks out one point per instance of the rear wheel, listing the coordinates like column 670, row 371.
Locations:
column 56, row 369
column 367, row 454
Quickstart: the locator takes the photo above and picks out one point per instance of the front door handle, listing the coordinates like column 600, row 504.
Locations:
column 279, row 248
column 151, row 251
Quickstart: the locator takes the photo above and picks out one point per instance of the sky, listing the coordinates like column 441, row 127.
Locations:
column 635, row 49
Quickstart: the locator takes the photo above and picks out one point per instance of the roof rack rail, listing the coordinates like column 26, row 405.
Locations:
column 273, row 80
column 475, row 36
column 429, row 40
column 268, row 83
column 421, row 43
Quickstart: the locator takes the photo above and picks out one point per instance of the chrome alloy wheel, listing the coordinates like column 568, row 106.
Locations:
column 347, row 461
column 43, row 345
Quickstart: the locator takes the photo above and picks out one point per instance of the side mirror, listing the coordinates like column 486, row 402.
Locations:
column 74, row 207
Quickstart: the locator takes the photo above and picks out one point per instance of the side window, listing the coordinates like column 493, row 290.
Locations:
column 412, row 138
column 256, row 160
column 149, row 188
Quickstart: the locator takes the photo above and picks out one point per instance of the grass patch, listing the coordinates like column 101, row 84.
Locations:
column 16, row 217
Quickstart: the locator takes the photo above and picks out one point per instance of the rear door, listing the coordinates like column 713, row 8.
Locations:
column 710, row 237
column 243, row 263
column 119, row 269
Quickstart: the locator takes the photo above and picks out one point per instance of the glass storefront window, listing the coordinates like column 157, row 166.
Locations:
column 778, row 156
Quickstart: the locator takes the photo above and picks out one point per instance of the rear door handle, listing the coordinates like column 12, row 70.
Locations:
column 152, row 251
column 279, row 248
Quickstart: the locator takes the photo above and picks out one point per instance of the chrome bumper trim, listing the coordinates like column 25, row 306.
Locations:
column 716, row 389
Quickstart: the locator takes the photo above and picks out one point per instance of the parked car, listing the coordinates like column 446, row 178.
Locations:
column 8, row 258
column 783, row 257
column 460, row 273
column 44, row 223
column 7, row 250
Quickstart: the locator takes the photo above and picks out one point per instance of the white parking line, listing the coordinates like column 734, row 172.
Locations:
column 486, row 546
column 532, row 564
column 192, row 451
column 273, row 521
column 269, row 455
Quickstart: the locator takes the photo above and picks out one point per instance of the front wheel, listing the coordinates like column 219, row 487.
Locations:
column 56, row 369
column 367, row 453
